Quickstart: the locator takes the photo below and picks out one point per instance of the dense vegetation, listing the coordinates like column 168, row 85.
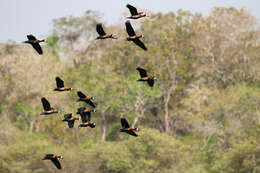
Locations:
column 203, row 114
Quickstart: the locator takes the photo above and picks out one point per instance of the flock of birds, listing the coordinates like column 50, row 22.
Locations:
column 85, row 113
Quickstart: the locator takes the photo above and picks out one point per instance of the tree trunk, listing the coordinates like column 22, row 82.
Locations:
column 166, row 108
column 103, row 127
column 31, row 126
column 77, row 131
column 141, row 114
column 139, row 108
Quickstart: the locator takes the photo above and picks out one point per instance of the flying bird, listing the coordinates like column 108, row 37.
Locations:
column 54, row 158
column 133, row 37
column 102, row 34
column 86, row 117
column 86, row 99
column 60, row 85
column 70, row 119
column 145, row 77
column 134, row 13
column 127, row 129
column 47, row 107
column 85, row 110
column 35, row 43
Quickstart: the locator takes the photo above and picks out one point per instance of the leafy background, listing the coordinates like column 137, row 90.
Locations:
column 201, row 116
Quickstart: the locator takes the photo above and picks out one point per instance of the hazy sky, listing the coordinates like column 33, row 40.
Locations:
column 21, row 17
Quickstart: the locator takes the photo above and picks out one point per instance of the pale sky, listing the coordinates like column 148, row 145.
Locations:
column 21, row 17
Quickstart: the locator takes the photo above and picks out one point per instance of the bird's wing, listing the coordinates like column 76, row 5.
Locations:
column 37, row 47
column 46, row 105
column 56, row 162
column 83, row 116
column 100, row 30
column 132, row 9
column 151, row 82
column 67, row 116
column 88, row 116
column 80, row 110
column 139, row 43
column 124, row 123
column 81, row 95
column 130, row 132
column 142, row 72
column 47, row 156
column 129, row 28
column 91, row 103
column 59, row 82
column 31, row 37
column 71, row 123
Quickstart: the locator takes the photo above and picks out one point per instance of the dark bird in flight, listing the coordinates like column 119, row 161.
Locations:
column 102, row 34
column 133, row 37
column 83, row 109
column 134, row 13
column 54, row 158
column 47, row 107
column 86, row 117
column 60, row 85
column 35, row 43
column 70, row 119
column 86, row 99
column 145, row 77
column 126, row 128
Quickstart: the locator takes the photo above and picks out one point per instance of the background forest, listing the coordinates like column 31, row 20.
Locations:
column 203, row 114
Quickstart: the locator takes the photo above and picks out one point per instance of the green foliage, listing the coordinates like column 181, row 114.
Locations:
column 53, row 44
column 22, row 115
column 207, row 92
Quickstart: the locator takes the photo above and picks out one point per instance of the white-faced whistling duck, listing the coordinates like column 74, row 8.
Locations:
column 60, row 85
column 86, row 99
column 83, row 109
column 35, row 43
column 126, row 128
column 133, row 37
column 86, row 117
column 47, row 107
column 54, row 158
column 134, row 13
column 70, row 119
column 102, row 34
column 145, row 77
